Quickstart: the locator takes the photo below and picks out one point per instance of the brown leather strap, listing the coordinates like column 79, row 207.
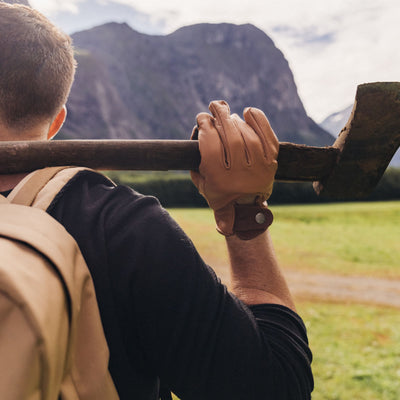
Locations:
column 251, row 220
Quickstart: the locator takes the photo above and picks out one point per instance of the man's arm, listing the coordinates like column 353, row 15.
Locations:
column 255, row 274
column 236, row 175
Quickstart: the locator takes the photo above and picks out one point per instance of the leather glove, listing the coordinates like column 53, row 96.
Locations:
column 238, row 164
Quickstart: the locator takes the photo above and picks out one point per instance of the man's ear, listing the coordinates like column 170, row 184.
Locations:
column 57, row 123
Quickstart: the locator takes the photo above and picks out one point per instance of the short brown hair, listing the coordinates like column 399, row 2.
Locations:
column 37, row 67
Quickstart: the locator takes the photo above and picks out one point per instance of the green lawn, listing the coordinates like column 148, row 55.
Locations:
column 356, row 347
column 356, row 351
column 349, row 238
column 343, row 238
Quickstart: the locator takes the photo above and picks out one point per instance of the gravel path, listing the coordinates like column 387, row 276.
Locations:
column 337, row 288
column 378, row 291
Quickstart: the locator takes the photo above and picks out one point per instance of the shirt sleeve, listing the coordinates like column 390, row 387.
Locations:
column 180, row 322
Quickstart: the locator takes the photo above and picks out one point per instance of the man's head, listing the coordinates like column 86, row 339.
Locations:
column 37, row 68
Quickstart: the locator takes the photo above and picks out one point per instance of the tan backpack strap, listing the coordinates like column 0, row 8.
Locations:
column 39, row 188
column 26, row 191
column 3, row 200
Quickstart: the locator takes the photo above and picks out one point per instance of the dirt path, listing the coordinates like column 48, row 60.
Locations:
column 351, row 289
column 378, row 291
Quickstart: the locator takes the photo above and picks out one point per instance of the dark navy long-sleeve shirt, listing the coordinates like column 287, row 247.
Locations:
column 166, row 315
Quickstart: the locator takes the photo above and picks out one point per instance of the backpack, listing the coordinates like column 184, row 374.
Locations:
column 52, row 344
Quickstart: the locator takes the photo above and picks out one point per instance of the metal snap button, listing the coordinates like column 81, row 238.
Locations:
column 260, row 218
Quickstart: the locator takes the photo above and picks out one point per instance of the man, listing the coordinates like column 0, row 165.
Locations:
column 166, row 316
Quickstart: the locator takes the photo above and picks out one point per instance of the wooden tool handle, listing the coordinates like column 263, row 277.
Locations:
column 295, row 162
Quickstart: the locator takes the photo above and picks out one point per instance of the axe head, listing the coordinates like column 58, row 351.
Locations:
column 366, row 144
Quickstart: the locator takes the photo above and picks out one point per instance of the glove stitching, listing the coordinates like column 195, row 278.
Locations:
column 260, row 134
column 246, row 151
column 226, row 155
column 247, row 154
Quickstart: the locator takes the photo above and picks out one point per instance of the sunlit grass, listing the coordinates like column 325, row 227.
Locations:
column 348, row 238
column 356, row 351
column 356, row 347
column 343, row 238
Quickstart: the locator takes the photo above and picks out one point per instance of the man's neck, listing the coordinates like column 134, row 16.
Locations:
column 8, row 182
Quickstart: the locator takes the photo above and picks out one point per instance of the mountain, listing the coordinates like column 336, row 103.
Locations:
column 90, row 13
column 133, row 85
column 336, row 121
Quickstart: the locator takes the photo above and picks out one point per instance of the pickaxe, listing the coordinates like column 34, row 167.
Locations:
column 350, row 168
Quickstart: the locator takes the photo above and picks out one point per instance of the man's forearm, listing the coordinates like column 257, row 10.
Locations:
column 255, row 275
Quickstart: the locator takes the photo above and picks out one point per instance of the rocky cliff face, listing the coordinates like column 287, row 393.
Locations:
column 131, row 85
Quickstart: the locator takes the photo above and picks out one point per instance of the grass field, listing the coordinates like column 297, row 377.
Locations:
column 356, row 347
column 343, row 238
column 356, row 351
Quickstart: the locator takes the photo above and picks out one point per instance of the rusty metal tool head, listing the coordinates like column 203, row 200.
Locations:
column 366, row 144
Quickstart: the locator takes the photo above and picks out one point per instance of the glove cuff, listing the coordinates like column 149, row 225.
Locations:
column 251, row 220
column 246, row 221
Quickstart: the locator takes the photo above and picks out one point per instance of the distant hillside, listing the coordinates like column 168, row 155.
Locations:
column 334, row 123
column 132, row 85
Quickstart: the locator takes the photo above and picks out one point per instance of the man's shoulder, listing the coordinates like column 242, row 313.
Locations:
column 86, row 186
column 91, row 193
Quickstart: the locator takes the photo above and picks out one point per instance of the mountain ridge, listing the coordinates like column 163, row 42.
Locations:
column 135, row 85
column 335, row 122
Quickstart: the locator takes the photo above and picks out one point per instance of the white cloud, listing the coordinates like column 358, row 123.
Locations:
column 51, row 7
column 363, row 51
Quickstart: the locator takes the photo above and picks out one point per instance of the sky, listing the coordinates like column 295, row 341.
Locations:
column 331, row 45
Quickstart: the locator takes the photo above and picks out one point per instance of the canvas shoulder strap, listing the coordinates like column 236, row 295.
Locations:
column 53, row 179
column 86, row 374
column 34, row 307
column 3, row 200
